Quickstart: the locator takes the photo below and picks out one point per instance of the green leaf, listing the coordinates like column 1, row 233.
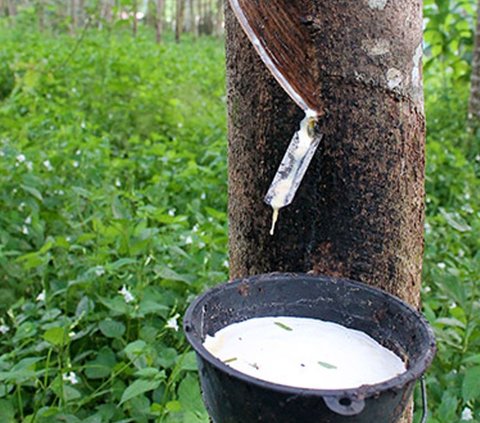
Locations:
column 102, row 365
column 34, row 192
column 170, row 275
column 173, row 406
column 189, row 394
column 55, row 336
column 283, row 326
column 327, row 365
column 150, row 373
column 455, row 221
column 189, row 362
column 139, row 387
column 471, row 384
column 7, row 412
column 112, row 328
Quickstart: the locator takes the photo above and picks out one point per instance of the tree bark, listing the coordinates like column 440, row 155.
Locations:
column 359, row 212
column 179, row 11
column 73, row 16
column 474, row 103
column 219, row 18
column 134, row 13
column 159, row 20
column 12, row 8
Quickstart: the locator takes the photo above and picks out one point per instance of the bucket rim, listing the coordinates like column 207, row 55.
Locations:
column 412, row 374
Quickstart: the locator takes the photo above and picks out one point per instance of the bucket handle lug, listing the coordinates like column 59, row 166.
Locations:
column 344, row 405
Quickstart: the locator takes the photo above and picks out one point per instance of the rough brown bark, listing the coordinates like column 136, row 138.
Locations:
column 474, row 103
column 359, row 212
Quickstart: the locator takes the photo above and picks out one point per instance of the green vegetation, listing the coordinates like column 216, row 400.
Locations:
column 113, row 216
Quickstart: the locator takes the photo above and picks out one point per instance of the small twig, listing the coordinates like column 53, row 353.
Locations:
column 75, row 47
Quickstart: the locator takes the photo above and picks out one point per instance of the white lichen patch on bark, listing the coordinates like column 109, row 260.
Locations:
column 394, row 78
column 377, row 47
column 377, row 4
column 417, row 65
column 417, row 86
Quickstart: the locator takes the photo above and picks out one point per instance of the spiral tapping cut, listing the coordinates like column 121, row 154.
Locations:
column 293, row 166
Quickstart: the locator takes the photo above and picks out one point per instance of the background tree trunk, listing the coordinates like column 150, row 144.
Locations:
column 134, row 17
column 73, row 16
column 474, row 103
column 40, row 6
column 359, row 212
column 159, row 20
column 179, row 19
column 12, row 8
column 219, row 18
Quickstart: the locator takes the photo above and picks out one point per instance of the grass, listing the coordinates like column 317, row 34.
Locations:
column 112, row 217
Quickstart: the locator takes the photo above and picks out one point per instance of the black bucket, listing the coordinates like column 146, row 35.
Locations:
column 233, row 397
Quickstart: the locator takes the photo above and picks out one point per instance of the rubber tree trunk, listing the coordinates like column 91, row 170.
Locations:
column 359, row 213
column 474, row 103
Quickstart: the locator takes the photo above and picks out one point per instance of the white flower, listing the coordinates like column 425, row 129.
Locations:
column 188, row 240
column 78, row 152
column 70, row 377
column 226, row 264
column 427, row 289
column 127, row 295
column 99, row 270
column 172, row 323
column 21, row 158
column 21, row 206
column 171, row 212
column 82, row 125
column 28, row 220
column 2, row 154
column 76, row 164
column 203, row 196
column 25, row 230
column 118, row 183
column 29, row 165
column 41, row 296
column 467, row 414
column 195, row 228
column 453, row 304
column 72, row 334
column 441, row 265
column 4, row 329
column 48, row 165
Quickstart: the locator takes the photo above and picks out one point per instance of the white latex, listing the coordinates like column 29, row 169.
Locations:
column 313, row 354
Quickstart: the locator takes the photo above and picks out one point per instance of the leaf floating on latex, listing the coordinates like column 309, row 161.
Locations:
column 283, row 326
column 327, row 365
